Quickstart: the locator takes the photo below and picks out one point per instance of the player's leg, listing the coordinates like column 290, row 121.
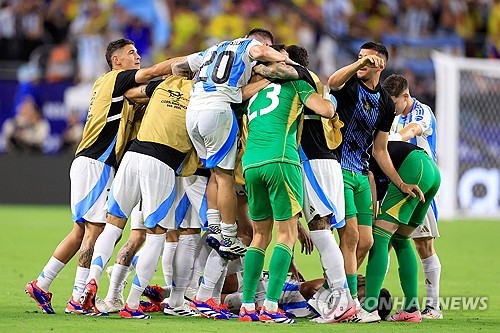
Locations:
column 285, row 188
column 363, row 201
column 114, row 301
column 423, row 238
column 349, row 234
column 219, row 129
column 260, row 212
column 90, row 182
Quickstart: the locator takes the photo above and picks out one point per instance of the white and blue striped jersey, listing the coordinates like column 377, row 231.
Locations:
column 222, row 70
column 422, row 115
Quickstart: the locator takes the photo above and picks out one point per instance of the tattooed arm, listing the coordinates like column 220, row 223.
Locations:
column 277, row 70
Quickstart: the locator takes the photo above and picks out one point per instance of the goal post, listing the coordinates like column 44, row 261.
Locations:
column 468, row 135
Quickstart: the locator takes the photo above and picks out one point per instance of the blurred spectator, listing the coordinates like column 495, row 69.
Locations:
column 89, row 28
column 140, row 32
column 226, row 25
column 186, row 28
column 27, row 131
column 72, row 135
column 494, row 30
column 415, row 18
column 29, row 27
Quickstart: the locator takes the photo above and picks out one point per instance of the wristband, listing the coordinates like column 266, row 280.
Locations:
column 395, row 137
column 334, row 101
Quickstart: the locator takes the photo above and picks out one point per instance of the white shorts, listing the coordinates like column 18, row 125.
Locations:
column 214, row 135
column 324, row 190
column 144, row 177
column 90, row 183
column 137, row 218
column 430, row 226
column 191, row 202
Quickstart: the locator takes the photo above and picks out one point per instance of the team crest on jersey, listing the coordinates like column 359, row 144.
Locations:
column 367, row 105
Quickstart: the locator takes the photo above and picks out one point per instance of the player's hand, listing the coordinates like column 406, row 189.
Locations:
column 295, row 271
column 372, row 61
column 412, row 190
column 305, row 240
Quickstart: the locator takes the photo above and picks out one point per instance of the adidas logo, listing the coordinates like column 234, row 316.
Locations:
column 425, row 229
column 311, row 210
column 428, row 282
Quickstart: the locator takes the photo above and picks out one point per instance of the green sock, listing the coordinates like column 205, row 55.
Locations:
column 254, row 263
column 278, row 269
column 352, row 283
column 408, row 270
column 376, row 268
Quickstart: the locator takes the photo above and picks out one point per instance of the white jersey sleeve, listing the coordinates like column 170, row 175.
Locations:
column 195, row 61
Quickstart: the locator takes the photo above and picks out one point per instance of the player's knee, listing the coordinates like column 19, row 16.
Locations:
column 320, row 223
column 136, row 239
column 425, row 247
column 350, row 238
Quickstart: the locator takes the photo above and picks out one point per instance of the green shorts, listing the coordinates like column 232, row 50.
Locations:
column 274, row 189
column 358, row 197
column 418, row 168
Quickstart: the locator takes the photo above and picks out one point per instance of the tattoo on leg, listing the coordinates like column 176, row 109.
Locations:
column 85, row 257
column 126, row 254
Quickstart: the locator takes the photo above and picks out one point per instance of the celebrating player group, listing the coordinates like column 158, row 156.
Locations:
column 205, row 154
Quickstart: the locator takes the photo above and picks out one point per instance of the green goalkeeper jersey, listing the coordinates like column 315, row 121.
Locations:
column 273, row 117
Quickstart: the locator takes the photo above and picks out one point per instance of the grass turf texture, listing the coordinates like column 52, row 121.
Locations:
column 468, row 251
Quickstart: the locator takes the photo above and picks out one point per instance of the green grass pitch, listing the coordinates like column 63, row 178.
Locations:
column 468, row 251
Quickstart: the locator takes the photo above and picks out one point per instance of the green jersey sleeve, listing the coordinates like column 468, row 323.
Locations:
column 304, row 90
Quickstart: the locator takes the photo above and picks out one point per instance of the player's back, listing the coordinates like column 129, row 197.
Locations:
column 273, row 116
column 224, row 69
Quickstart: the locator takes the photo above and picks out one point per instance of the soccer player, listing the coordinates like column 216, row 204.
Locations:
column 400, row 214
column 272, row 172
column 104, row 137
column 147, row 172
column 323, row 195
column 415, row 123
column 367, row 112
column 222, row 70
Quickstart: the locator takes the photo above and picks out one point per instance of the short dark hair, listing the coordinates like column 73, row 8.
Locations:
column 262, row 33
column 114, row 46
column 378, row 47
column 395, row 84
column 384, row 303
column 298, row 54
column 278, row 47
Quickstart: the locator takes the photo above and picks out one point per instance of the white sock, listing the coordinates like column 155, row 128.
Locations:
column 270, row 305
column 201, row 255
column 213, row 218
column 116, row 281
column 103, row 250
column 80, row 278
column 49, row 273
column 213, row 270
column 432, row 272
column 248, row 306
column 167, row 260
column 331, row 257
column 216, row 294
column 146, row 266
column 228, row 231
column 183, row 271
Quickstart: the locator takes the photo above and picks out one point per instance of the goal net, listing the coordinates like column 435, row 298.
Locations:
column 468, row 134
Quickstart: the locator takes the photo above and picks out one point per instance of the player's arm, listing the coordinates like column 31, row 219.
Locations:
column 142, row 93
column 337, row 80
column 277, row 70
column 137, row 95
column 383, row 159
column 253, row 87
column 409, row 132
column 321, row 106
column 159, row 69
column 268, row 54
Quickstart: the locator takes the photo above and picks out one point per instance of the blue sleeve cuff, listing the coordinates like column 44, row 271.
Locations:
column 333, row 100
